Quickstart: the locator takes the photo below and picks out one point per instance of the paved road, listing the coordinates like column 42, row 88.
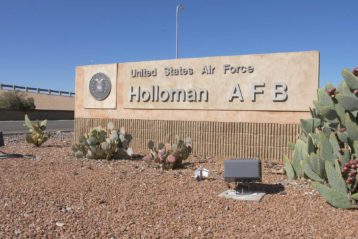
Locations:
column 11, row 127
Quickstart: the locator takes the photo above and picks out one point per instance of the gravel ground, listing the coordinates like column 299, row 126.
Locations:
column 58, row 196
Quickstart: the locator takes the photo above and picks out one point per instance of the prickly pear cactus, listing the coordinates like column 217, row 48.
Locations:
column 36, row 131
column 337, row 191
column 327, row 148
column 100, row 143
column 169, row 156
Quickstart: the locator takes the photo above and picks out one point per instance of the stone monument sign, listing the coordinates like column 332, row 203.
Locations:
column 245, row 106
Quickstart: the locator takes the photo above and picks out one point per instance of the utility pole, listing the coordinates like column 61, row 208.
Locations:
column 179, row 7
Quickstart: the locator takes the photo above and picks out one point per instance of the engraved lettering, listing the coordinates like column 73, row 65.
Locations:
column 191, row 94
column 179, row 93
column 250, row 69
column 133, row 95
column 203, row 95
column 181, row 71
column 156, row 94
column 145, row 95
column 255, row 91
column 236, row 93
column 238, row 69
column 279, row 92
column 164, row 95
column 208, row 70
column 143, row 73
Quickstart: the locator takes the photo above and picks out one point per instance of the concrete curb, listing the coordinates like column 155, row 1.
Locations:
column 50, row 131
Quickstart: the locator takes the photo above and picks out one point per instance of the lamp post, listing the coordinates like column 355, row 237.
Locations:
column 179, row 7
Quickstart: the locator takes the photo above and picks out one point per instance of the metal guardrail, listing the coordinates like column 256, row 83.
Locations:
column 36, row 90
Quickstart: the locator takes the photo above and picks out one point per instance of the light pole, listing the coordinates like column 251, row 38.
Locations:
column 179, row 7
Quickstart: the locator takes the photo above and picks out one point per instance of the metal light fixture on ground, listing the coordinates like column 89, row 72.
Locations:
column 242, row 171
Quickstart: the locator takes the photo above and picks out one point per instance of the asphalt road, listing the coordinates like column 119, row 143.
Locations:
column 13, row 127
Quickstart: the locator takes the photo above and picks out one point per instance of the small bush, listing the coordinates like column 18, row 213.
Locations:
column 36, row 134
column 100, row 143
column 16, row 100
column 169, row 156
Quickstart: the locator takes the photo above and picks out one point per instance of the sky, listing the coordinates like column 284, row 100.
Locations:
column 42, row 41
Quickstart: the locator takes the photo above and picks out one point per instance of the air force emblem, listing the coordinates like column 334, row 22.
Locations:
column 100, row 86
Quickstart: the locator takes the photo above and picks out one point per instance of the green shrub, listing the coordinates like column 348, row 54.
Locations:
column 36, row 134
column 16, row 100
column 327, row 149
column 169, row 156
column 100, row 143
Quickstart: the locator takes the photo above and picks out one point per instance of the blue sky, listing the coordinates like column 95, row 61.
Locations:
column 42, row 41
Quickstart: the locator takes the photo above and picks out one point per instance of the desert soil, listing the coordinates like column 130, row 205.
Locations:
column 56, row 195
